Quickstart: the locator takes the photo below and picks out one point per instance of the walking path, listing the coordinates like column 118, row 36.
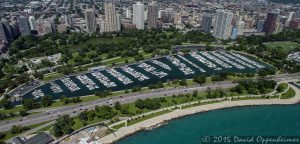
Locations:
column 126, row 131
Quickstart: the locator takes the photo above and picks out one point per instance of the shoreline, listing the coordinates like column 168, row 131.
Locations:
column 179, row 113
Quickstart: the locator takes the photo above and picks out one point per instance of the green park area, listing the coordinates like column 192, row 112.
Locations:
column 97, row 41
column 289, row 94
column 286, row 46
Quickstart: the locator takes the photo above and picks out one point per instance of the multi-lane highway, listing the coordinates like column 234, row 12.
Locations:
column 52, row 114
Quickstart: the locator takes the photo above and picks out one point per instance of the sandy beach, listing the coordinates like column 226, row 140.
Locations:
column 129, row 130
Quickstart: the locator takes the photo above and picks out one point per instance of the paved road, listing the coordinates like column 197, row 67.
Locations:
column 127, row 98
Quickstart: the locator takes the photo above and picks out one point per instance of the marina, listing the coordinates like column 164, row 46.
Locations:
column 135, row 73
column 228, row 60
column 147, row 72
column 236, row 59
column 205, row 61
column 87, row 81
column 248, row 60
column 217, row 60
column 191, row 63
column 163, row 65
column 55, row 88
column 125, row 80
column 37, row 94
column 70, row 84
column 185, row 69
column 104, row 80
column 152, row 70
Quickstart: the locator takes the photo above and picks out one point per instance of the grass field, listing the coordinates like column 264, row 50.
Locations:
column 52, row 76
column 287, row 46
column 95, row 41
column 289, row 94
column 284, row 86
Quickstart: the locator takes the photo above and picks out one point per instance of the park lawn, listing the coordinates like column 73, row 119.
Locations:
column 115, row 60
column 285, row 86
column 95, row 41
column 47, row 128
column 147, row 117
column 83, row 99
column 235, row 78
column 289, row 94
column 287, row 46
column 119, row 126
column 12, row 110
column 52, row 76
column 76, row 54
column 121, row 60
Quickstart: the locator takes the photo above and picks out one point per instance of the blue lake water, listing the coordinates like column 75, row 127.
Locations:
column 241, row 121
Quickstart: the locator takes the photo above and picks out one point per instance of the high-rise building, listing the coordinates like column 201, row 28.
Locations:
column 69, row 20
column 283, row 19
column 44, row 26
column 24, row 26
column 161, row 13
column 234, row 32
column 145, row 15
column 152, row 15
column 297, row 14
column 260, row 25
column 279, row 27
column 290, row 17
column 15, row 29
column 111, row 18
column 177, row 18
column 3, row 37
column 32, row 22
column 270, row 24
column 61, row 28
column 90, row 21
column 294, row 24
column 138, row 15
column 128, row 13
column 8, row 31
column 206, row 23
column 169, row 15
column 222, row 26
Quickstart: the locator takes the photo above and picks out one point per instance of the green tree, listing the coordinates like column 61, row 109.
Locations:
column 105, row 112
column 200, row 79
column 46, row 101
column 118, row 106
column 63, row 125
column 83, row 116
column 23, row 113
column 16, row 129
column 195, row 93
column 30, row 104
column 5, row 103
column 183, row 82
column 139, row 104
column 91, row 115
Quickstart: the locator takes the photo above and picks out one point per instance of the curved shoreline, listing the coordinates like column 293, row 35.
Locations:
column 178, row 113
